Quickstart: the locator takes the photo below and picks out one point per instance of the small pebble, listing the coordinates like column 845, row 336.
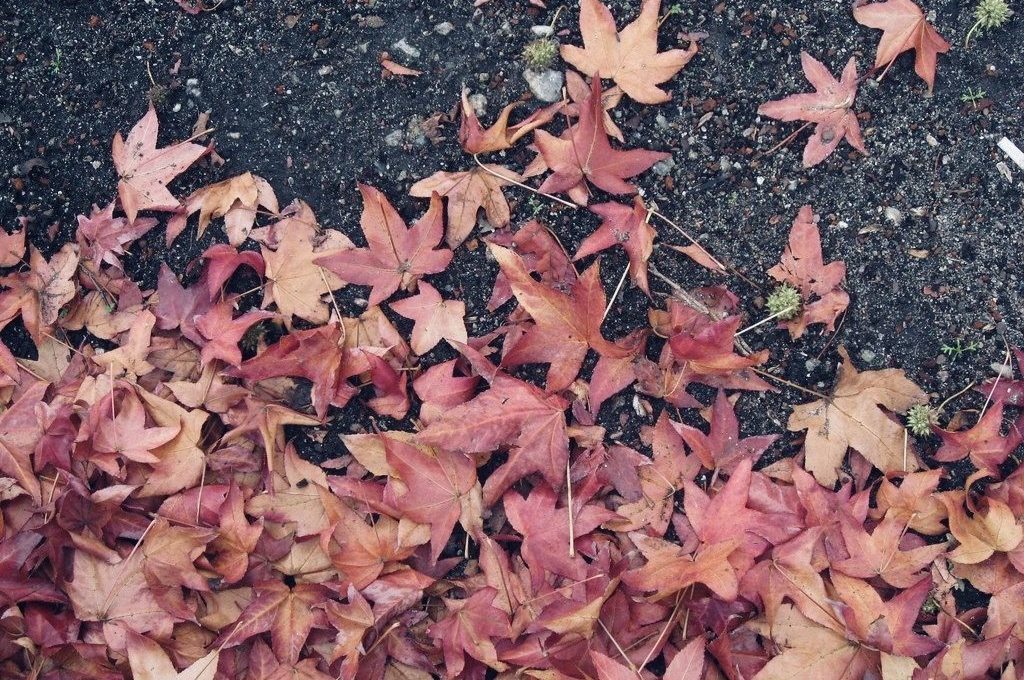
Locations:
column 545, row 85
column 893, row 215
column 444, row 28
column 867, row 356
column 405, row 48
column 479, row 103
column 394, row 138
column 811, row 365
column 542, row 31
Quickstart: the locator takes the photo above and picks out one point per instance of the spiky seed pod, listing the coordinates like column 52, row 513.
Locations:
column 920, row 419
column 784, row 302
column 540, row 54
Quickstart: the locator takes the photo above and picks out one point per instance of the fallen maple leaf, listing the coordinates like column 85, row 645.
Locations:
column 474, row 139
column 435, row 319
column 396, row 255
column 992, row 528
column 223, row 331
column 468, row 192
column 295, row 281
column 20, row 431
column 905, row 28
column 852, row 417
column 102, row 237
column 434, row 487
column 828, row 107
column 469, row 628
column 669, row 570
column 987, row 448
column 584, row 153
column 287, row 613
column 819, row 284
column 722, row 449
column 630, row 57
column 12, row 245
column 144, row 170
column 511, row 412
column 627, row 227
column 39, row 293
column 149, row 661
column 565, row 326
column 810, row 650
column 880, row 554
column 236, row 199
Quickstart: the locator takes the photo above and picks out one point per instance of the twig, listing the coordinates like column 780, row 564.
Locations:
column 615, row 295
column 519, row 184
column 687, row 236
column 572, row 532
column 765, row 320
column 1005, row 365
column 813, row 393
column 786, row 141
column 632, row 666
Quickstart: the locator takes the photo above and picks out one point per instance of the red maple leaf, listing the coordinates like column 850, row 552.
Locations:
column 541, row 255
column 223, row 331
column 565, row 326
column 882, row 553
column 722, row 448
column 475, row 139
column 828, row 107
column 471, row 627
column 144, row 170
column 434, row 487
column 627, row 227
column 287, row 613
column 819, row 284
column 513, row 413
column 584, row 153
column 987, row 448
column 396, row 255
column 545, row 531
column 905, row 28
column 707, row 348
column 102, row 237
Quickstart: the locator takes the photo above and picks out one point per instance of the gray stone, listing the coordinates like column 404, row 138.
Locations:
column 479, row 103
column 405, row 48
column 545, row 85
column 444, row 28
column 542, row 31
column 394, row 138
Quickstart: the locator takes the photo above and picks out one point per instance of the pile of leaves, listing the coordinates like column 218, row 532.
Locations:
column 158, row 523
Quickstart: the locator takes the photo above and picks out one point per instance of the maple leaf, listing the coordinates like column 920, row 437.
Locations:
column 565, row 326
column 236, row 538
column 287, row 613
column 987, row 448
column 223, row 260
column 545, row 531
column 470, row 627
column 236, row 199
column 130, row 358
column 707, row 348
column 12, row 245
column 474, row 139
column 223, row 331
column 149, row 661
column 914, row 502
column 39, row 293
column 722, row 448
column 120, row 428
column 102, row 237
column 438, row 488
column 888, row 626
column 314, row 354
column 579, row 91
column 819, row 283
column 20, row 432
column 144, row 170
column 828, row 107
column 435, row 319
column 905, row 28
column 182, row 459
column 295, row 281
column 584, row 152
column 852, row 417
column 880, row 553
column 626, row 227
column 541, row 254
column 511, row 412
column 612, row 374
column 396, row 255
column 810, row 650
column 669, row 570
column 467, row 193
column 293, row 496
column 992, row 528
column 630, row 57
column 100, row 591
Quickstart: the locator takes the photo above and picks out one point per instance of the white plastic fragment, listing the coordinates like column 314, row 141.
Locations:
column 1012, row 151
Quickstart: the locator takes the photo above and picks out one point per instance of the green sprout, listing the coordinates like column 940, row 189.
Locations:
column 540, row 54
column 954, row 351
column 989, row 14
column 784, row 302
column 973, row 96
column 920, row 420
column 56, row 62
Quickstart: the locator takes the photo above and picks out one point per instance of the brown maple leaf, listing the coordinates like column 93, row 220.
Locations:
column 819, row 284
column 286, row 613
column 853, row 417
column 905, row 28
column 295, row 281
column 669, row 569
column 474, row 139
column 630, row 57
column 584, row 153
column 469, row 628
column 148, row 661
column 396, row 255
column 992, row 528
column 881, row 553
column 144, row 170
column 987, row 448
column 20, row 431
column 565, row 326
column 12, row 245
column 811, row 650
column 627, row 227
column 102, row 237
column 468, row 192
column 829, row 107
column 236, row 199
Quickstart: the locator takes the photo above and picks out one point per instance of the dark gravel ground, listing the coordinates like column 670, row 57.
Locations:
column 928, row 225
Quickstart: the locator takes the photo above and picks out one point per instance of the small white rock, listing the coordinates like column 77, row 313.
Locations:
column 444, row 28
column 479, row 103
column 394, row 138
column 542, row 31
column 931, row 140
column 545, row 85
column 405, row 48
column 893, row 215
